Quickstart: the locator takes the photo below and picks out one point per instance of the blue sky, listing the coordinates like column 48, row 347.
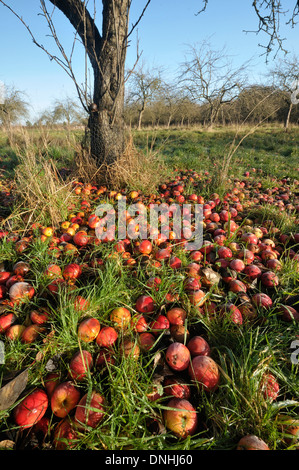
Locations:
column 165, row 32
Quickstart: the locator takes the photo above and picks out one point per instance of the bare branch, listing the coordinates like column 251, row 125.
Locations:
column 139, row 19
column 84, row 24
column 269, row 13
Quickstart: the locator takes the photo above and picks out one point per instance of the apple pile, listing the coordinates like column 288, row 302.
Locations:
column 233, row 278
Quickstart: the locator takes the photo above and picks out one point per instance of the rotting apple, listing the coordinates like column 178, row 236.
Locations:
column 252, row 442
column 176, row 387
column 178, row 356
column 204, row 371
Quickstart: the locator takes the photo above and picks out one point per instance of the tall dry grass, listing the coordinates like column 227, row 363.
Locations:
column 41, row 193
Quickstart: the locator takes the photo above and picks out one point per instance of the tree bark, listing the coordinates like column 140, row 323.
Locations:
column 107, row 54
column 140, row 118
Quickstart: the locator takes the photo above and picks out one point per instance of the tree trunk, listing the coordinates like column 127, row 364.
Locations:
column 107, row 54
column 286, row 126
column 140, row 118
column 107, row 125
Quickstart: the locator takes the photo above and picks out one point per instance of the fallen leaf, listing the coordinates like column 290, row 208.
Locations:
column 7, row 445
column 12, row 390
column 210, row 277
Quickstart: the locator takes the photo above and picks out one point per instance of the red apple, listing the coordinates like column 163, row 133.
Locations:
column 159, row 324
column 198, row 346
column 176, row 316
column 178, row 356
column 145, row 247
column 89, row 329
column 21, row 291
column 65, row 398
column 252, row 272
column 262, row 300
column 80, row 364
column 288, row 313
column 72, row 272
column 146, row 341
column 180, row 418
column 53, row 271
column 51, row 381
column 107, row 337
column 145, row 304
column 31, row 409
column 237, row 265
column 204, row 371
column 225, row 252
column 176, row 387
column 270, row 387
column 120, row 317
column 14, row 332
column 6, row 321
column 32, row 333
column 197, row 297
column 21, row 268
column 139, row 323
column 269, row 279
column 104, row 357
column 39, row 317
column 81, row 238
column 232, row 312
column 65, row 434
column 90, row 410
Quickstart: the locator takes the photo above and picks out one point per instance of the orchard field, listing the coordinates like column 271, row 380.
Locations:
column 146, row 345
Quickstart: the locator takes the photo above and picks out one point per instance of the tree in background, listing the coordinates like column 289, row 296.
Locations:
column 285, row 76
column 144, row 87
column 209, row 77
column 67, row 112
column 14, row 108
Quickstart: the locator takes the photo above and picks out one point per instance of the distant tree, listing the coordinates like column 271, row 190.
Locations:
column 14, row 107
column 170, row 96
column 256, row 103
column 68, row 112
column 285, row 76
column 209, row 78
column 144, row 87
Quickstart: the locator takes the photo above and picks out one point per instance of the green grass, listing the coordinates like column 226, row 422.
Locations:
column 243, row 352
